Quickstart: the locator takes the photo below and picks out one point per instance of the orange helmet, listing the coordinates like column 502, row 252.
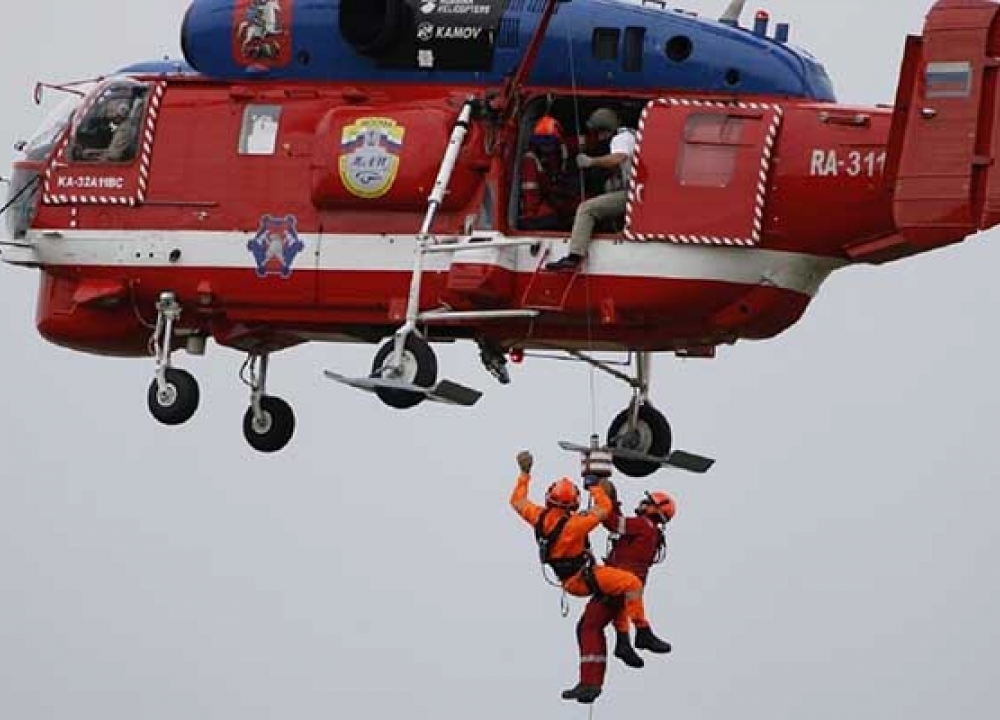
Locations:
column 657, row 506
column 548, row 133
column 563, row 494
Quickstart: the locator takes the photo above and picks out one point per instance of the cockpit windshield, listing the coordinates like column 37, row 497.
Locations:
column 106, row 130
column 52, row 127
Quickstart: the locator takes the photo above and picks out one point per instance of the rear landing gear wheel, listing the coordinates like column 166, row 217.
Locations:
column 272, row 429
column 177, row 400
column 418, row 367
column 650, row 435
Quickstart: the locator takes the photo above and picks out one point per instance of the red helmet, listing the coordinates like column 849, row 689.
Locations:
column 657, row 506
column 548, row 127
column 548, row 135
column 563, row 494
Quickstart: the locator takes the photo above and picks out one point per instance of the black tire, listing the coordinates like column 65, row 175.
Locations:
column 277, row 429
column 179, row 401
column 419, row 368
column 652, row 437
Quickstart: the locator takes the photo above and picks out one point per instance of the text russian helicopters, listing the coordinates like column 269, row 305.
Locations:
column 348, row 171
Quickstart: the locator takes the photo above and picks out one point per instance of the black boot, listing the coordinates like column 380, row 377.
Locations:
column 626, row 653
column 646, row 640
column 568, row 264
column 582, row 693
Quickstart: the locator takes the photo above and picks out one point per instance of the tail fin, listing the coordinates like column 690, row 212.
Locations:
column 944, row 145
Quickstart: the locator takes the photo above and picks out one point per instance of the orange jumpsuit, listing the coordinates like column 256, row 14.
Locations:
column 572, row 543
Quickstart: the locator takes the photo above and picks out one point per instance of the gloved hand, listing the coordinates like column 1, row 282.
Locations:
column 525, row 461
column 590, row 481
column 584, row 161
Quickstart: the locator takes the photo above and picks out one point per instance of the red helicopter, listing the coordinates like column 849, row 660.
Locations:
column 348, row 171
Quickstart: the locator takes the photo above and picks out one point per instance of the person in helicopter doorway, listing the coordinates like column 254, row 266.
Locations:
column 546, row 200
column 561, row 531
column 637, row 543
column 613, row 203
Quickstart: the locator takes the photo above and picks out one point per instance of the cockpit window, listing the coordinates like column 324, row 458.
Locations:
column 107, row 130
column 52, row 128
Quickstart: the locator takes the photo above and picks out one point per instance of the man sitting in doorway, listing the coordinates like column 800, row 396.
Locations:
column 612, row 204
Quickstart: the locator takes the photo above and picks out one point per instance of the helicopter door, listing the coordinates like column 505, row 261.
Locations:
column 700, row 174
column 104, row 158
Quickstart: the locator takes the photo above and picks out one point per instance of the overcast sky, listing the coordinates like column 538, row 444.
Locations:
column 840, row 562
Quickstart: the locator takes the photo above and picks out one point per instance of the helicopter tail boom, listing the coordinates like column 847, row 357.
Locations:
column 945, row 138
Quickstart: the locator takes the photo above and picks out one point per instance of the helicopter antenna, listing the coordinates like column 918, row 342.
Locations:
column 732, row 14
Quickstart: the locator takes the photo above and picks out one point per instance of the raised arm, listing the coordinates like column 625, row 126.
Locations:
column 519, row 498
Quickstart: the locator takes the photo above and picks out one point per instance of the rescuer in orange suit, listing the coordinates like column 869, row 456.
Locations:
column 545, row 204
column 637, row 544
column 562, row 531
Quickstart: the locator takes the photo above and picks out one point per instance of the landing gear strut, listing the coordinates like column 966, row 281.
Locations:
column 173, row 395
column 640, row 427
column 640, row 441
column 269, row 422
column 416, row 365
column 404, row 373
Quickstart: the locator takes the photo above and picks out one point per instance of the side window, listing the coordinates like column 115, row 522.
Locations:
column 604, row 45
column 108, row 128
column 635, row 37
column 708, row 154
column 259, row 133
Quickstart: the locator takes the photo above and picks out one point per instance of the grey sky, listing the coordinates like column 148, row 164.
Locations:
column 840, row 562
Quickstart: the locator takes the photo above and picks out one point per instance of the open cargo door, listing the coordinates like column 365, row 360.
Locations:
column 701, row 172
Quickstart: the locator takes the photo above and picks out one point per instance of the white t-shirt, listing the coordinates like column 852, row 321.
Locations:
column 623, row 143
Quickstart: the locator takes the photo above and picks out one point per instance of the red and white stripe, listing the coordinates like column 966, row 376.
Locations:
column 335, row 254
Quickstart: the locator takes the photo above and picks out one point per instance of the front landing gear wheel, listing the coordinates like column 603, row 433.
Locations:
column 418, row 367
column 651, row 436
column 272, row 430
column 176, row 402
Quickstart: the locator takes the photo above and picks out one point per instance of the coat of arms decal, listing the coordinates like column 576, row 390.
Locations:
column 369, row 156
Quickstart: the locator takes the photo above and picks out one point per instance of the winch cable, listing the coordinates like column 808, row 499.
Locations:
column 583, row 191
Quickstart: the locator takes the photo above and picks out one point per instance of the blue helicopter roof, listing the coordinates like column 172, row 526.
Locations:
column 591, row 44
column 165, row 66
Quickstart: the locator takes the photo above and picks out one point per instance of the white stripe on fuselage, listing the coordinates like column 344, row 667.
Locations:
column 383, row 253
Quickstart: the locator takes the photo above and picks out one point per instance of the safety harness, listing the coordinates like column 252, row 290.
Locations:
column 565, row 567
